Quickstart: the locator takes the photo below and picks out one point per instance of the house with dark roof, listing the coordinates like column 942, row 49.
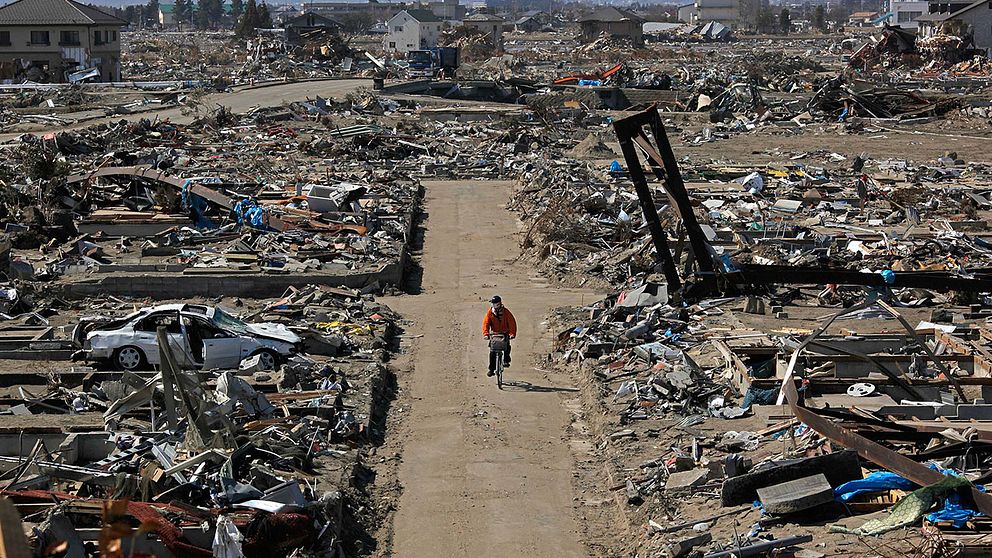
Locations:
column 50, row 40
column 308, row 24
column 413, row 30
column 615, row 22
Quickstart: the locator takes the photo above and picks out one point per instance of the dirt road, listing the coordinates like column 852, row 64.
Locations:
column 240, row 100
column 484, row 472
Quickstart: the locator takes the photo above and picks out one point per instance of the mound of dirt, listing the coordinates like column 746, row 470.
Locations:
column 591, row 148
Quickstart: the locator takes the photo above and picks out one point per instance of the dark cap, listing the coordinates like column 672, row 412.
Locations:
column 495, row 299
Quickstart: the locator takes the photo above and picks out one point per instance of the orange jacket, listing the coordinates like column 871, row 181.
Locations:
column 493, row 324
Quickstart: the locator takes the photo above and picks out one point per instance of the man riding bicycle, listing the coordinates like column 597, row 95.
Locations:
column 499, row 320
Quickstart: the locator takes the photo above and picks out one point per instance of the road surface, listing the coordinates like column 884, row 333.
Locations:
column 239, row 100
column 484, row 472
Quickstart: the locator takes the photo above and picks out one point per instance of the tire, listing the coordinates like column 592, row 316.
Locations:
column 499, row 370
column 129, row 358
column 268, row 359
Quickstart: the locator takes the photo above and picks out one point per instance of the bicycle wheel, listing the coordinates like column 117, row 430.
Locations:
column 499, row 370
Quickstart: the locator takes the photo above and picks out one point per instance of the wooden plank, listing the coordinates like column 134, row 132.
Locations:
column 739, row 375
column 13, row 543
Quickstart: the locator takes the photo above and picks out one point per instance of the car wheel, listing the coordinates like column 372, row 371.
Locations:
column 129, row 358
column 267, row 360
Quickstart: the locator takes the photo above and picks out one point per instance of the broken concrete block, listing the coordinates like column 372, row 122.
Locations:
column 839, row 467
column 684, row 463
column 686, row 479
column 796, row 495
column 633, row 494
column 623, row 434
column 684, row 546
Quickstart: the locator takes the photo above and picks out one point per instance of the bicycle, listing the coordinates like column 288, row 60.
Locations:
column 497, row 344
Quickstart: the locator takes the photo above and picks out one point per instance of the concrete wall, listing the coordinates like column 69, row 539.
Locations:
column 87, row 52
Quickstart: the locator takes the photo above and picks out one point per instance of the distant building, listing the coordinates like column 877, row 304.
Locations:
column 946, row 6
column 378, row 11
column 976, row 16
column 687, row 13
column 531, row 21
column 47, row 40
column 615, row 22
column 491, row 25
column 862, row 19
column 448, row 10
column 527, row 24
column 903, row 13
column 166, row 15
column 299, row 26
column 736, row 14
column 383, row 10
column 413, row 30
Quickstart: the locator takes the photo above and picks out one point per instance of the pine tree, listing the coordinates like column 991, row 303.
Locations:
column 820, row 19
column 151, row 13
column 264, row 20
column 785, row 21
column 182, row 11
column 237, row 8
column 248, row 22
column 202, row 16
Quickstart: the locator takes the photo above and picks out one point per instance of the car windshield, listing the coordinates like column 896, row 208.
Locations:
column 226, row 321
column 420, row 57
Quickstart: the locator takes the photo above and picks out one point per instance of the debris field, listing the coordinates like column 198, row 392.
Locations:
column 786, row 349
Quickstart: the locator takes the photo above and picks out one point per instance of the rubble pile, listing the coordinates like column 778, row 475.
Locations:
column 473, row 44
column 942, row 49
column 249, row 460
column 219, row 59
column 148, row 56
column 790, row 327
column 782, row 378
column 608, row 46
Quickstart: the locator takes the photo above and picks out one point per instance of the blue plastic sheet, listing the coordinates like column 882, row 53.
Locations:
column 249, row 213
column 615, row 167
column 951, row 510
column 875, row 482
column 954, row 512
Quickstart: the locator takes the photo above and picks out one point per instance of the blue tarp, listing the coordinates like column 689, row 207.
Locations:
column 952, row 510
column 248, row 212
column 875, row 482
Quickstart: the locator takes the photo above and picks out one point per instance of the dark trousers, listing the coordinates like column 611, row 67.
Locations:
column 506, row 357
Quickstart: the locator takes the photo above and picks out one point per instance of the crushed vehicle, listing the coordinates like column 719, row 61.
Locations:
column 207, row 336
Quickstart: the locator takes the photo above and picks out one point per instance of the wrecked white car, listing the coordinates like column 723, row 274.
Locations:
column 207, row 336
